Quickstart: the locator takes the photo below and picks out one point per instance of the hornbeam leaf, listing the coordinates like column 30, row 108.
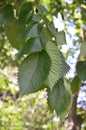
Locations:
column 32, row 45
column 60, row 38
column 33, row 72
column 56, row 63
column 59, row 98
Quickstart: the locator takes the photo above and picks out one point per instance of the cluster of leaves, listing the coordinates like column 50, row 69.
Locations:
column 38, row 42
column 73, row 14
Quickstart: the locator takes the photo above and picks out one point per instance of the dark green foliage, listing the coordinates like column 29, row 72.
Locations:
column 59, row 98
column 32, row 45
column 75, row 85
column 33, row 72
column 6, row 14
column 25, row 13
column 81, row 69
column 13, row 34
column 51, row 28
column 29, row 30
column 39, row 43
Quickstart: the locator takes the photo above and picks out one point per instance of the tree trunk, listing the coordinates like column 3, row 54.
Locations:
column 74, row 120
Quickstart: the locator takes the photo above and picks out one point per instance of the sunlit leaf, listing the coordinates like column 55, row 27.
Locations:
column 56, row 63
column 65, row 67
column 60, row 38
column 83, row 49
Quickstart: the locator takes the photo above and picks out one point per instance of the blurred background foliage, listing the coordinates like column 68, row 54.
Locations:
column 20, row 113
column 31, row 112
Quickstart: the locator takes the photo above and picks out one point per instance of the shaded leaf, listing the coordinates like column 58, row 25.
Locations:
column 13, row 34
column 6, row 14
column 41, row 8
column 32, row 30
column 51, row 28
column 81, row 69
column 24, row 14
column 46, row 35
column 33, row 71
column 36, row 17
column 59, row 98
column 32, row 45
column 75, row 85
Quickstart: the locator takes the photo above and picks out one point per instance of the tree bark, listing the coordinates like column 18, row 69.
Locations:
column 74, row 120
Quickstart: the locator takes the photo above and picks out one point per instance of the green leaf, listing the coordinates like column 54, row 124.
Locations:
column 81, row 69
column 59, row 98
column 25, row 11
column 18, row 4
column 6, row 14
column 33, row 72
column 32, row 45
column 65, row 67
column 46, row 35
column 60, row 38
column 32, row 30
column 36, row 17
column 35, row 30
column 41, row 8
column 56, row 63
column 75, row 85
column 51, row 28
column 83, row 49
column 2, row 19
column 13, row 32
